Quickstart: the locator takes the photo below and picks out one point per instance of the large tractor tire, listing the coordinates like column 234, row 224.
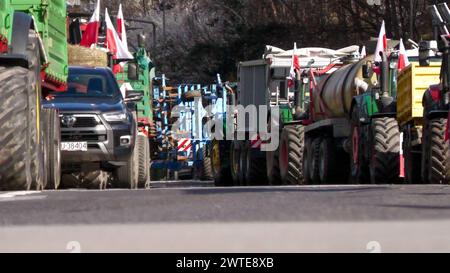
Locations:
column 412, row 161
column 38, row 169
column 359, row 168
column 127, row 176
column 273, row 167
column 15, row 138
column 237, row 175
column 328, row 166
column 439, row 161
column 256, row 168
column 52, row 138
column 384, row 162
column 314, row 161
column 220, row 169
column 291, row 155
column 96, row 180
column 206, row 173
column 143, row 150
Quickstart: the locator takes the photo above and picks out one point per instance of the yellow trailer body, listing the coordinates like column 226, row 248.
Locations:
column 411, row 86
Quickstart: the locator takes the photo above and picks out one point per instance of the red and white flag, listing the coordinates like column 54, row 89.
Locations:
column 382, row 43
column 403, row 60
column 113, row 42
column 295, row 66
column 363, row 52
column 121, row 27
column 90, row 35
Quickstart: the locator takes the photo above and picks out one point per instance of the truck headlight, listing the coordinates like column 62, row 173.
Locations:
column 115, row 116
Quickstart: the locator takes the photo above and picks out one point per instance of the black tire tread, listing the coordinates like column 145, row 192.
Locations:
column 385, row 161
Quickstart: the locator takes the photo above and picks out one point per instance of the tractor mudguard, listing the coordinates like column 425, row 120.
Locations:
column 22, row 24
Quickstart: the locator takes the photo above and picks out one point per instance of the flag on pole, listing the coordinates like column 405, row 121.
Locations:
column 363, row 52
column 382, row 43
column 121, row 28
column 295, row 66
column 113, row 42
column 90, row 35
column 403, row 60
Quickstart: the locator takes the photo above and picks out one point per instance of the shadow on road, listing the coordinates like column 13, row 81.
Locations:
column 324, row 189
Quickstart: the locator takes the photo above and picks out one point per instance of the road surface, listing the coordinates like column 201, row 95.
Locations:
column 195, row 217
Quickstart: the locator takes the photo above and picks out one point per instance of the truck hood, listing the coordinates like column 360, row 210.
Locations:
column 85, row 105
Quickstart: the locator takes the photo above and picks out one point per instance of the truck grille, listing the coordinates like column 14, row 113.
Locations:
column 79, row 121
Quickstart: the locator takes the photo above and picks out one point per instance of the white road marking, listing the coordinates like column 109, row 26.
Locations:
column 18, row 193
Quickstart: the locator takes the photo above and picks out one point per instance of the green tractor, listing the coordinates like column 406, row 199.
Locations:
column 137, row 76
column 33, row 61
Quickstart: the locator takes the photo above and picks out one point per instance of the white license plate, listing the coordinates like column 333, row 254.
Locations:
column 74, row 146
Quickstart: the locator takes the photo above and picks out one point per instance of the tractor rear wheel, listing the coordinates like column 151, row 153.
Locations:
column 16, row 115
column 291, row 155
column 235, row 162
column 256, row 168
column 220, row 170
column 439, row 161
column 385, row 156
column 52, row 138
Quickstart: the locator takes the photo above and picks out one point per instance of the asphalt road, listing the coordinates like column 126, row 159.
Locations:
column 195, row 217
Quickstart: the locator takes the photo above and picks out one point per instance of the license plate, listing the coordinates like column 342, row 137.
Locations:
column 74, row 146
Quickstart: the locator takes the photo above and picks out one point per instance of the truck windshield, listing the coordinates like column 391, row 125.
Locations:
column 90, row 83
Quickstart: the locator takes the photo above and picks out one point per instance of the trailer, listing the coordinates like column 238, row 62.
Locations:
column 180, row 119
column 33, row 61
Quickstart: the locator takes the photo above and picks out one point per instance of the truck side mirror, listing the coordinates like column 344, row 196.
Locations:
column 141, row 40
column 133, row 72
column 424, row 53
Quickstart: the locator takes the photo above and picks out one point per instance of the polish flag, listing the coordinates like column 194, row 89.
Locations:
column 403, row 60
column 90, row 36
column 121, row 27
column 382, row 43
column 113, row 42
column 295, row 66
column 363, row 52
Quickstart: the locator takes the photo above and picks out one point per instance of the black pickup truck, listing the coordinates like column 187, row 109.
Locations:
column 98, row 131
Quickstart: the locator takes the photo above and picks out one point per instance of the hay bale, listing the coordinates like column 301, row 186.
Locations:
column 83, row 56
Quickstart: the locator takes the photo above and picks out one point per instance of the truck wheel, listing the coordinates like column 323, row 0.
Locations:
column 38, row 170
column 256, row 168
column 359, row 169
column 307, row 160
column 425, row 152
column 439, row 161
column 52, row 139
column 291, row 155
column 243, row 164
column 96, row 180
column 143, row 149
column 235, row 162
column 15, row 137
column 384, row 162
column 273, row 167
column 314, row 164
column 206, row 167
column 412, row 161
column 327, row 161
column 221, row 171
column 128, row 176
